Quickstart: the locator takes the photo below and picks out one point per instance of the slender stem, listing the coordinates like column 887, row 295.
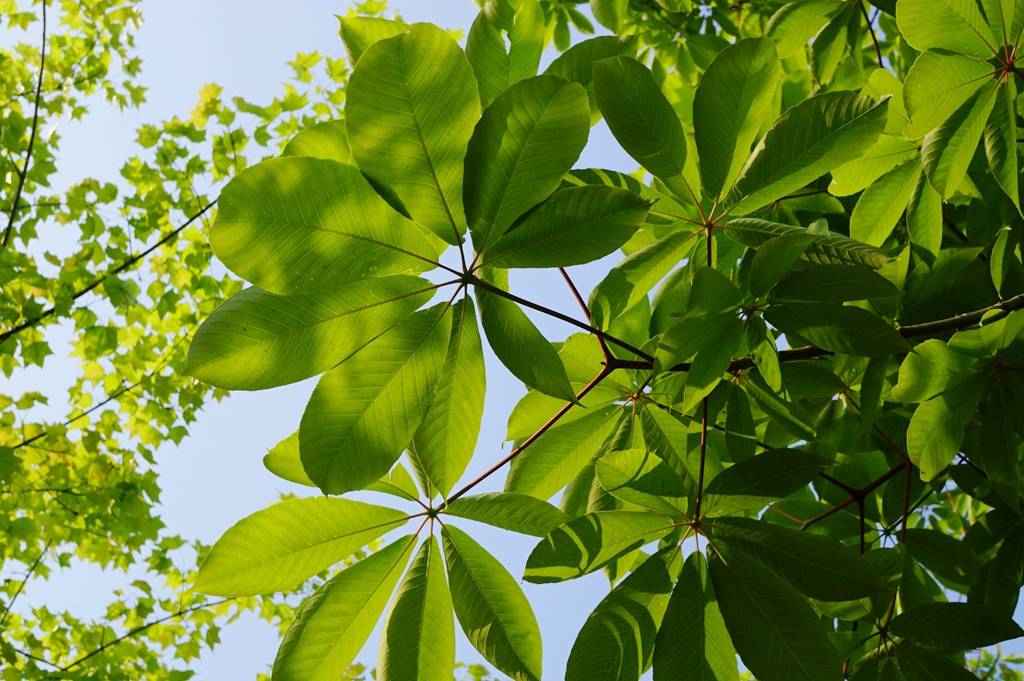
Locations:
column 21, row 586
column 871, row 29
column 476, row 281
column 906, row 506
column 23, row 175
column 703, row 457
column 586, row 311
column 555, row 418
column 859, row 495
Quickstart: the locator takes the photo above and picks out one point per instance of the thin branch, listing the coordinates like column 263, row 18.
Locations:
column 586, row 311
column 142, row 627
column 874, row 37
column 858, row 496
column 21, row 586
column 127, row 264
column 555, row 418
column 23, row 175
column 703, row 456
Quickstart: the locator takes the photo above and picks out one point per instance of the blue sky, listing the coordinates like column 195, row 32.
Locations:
column 216, row 477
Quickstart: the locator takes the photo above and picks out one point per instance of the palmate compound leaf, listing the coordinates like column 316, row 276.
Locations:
column 332, row 625
column 298, row 224
column 278, row 548
column 574, row 226
column 365, row 411
column 731, row 104
column 806, row 142
column 411, row 105
column 777, row 635
column 819, row 567
column 591, row 541
column 618, row 638
column 937, row 84
column 692, row 643
column 509, row 511
column 954, row 25
column 419, row 634
column 525, row 142
column 444, row 443
column 259, row 340
column 492, row 608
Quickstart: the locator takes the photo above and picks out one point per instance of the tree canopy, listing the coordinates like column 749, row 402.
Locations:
column 783, row 425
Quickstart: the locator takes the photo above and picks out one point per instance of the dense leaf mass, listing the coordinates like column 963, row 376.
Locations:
column 787, row 424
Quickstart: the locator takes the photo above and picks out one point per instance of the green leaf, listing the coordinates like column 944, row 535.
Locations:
column 574, row 226
column 278, row 548
column 497, row 67
column 667, row 437
column 816, row 566
column 758, row 481
column 774, row 258
column 447, row 438
column 358, row 33
column 260, row 340
column 838, row 328
column 805, row 142
column 577, row 63
column 590, row 542
column 526, row 140
column 955, row 626
column 284, row 462
column 1001, row 140
column 795, row 23
column 1006, row 19
column 924, row 218
column 929, row 370
column 419, row 634
column 920, row 664
column 560, row 454
column 937, row 84
column 411, row 104
column 777, row 635
column 327, row 140
column 779, row 411
column 610, row 13
column 881, row 205
column 491, row 608
column 825, row 249
column 731, row 104
column 834, row 284
column 640, row 116
column 298, row 224
column 633, row 278
column 640, row 477
column 510, row 511
column 397, row 483
column 692, row 643
column 936, row 429
column 884, row 155
column 364, row 412
column 948, row 149
column 954, row 25
column 332, row 625
column 521, row 347
column 617, row 640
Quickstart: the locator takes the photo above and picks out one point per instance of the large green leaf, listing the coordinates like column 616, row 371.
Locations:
column 278, row 548
column 947, row 150
column 667, row 437
column 297, row 224
column 692, row 643
column 824, row 249
column 526, row 140
column 834, row 284
column 640, row 116
column 642, row 478
column 819, row 567
column 806, row 142
column 550, row 463
column 574, row 226
column 884, row 155
column 928, row 371
column 332, row 625
column 591, row 541
column 758, row 481
column 411, row 105
column 509, row 511
column 419, row 634
column 795, row 23
column 1001, row 140
column 496, row 65
column 923, row 664
column 936, row 429
column 520, row 345
column 358, row 33
column 936, row 85
column 732, row 102
column 954, row 25
column 955, row 626
column 881, row 205
column 447, row 438
column 364, row 412
column 577, row 63
column 327, row 140
column 491, row 608
column 774, row 258
column 777, row 635
column 618, row 638
column 259, row 340
column 838, row 328
column 284, row 462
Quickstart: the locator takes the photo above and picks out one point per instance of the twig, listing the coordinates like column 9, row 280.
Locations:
column 874, row 38
column 586, row 311
column 28, row 575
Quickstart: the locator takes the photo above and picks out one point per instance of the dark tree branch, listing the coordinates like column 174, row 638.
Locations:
column 23, row 175
column 874, row 37
column 586, row 312
column 21, row 586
